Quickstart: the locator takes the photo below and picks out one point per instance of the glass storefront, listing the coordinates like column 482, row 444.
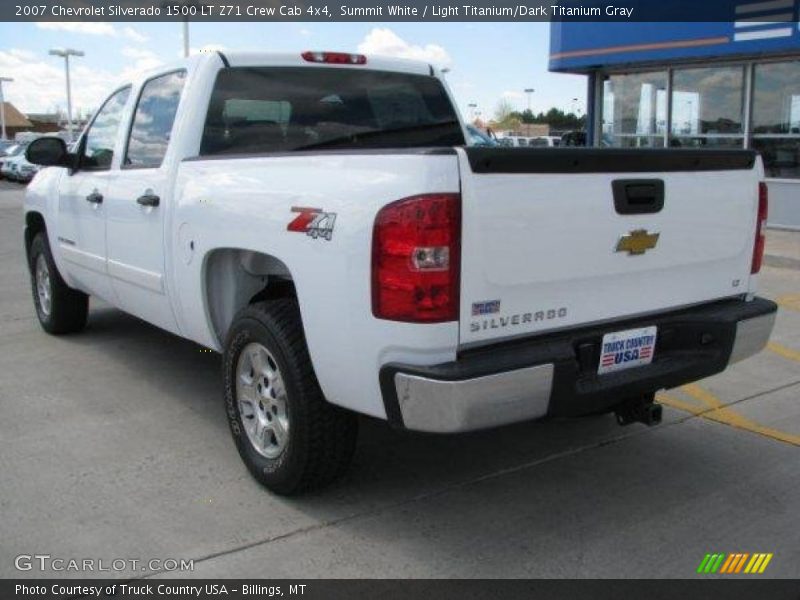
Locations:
column 635, row 110
column 776, row 117
column 706, row 107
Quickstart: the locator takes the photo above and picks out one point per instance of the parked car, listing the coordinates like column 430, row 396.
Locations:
column 516, row 141
column 5, row 145
column 319, row 220
column 17, row 168
column 9, row 168
column 25, row 171
column 574, row 138
column 544, row 141
column 476, row 137
column 7, row 160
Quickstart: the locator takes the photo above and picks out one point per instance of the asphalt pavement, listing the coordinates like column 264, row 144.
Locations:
column 114, row 445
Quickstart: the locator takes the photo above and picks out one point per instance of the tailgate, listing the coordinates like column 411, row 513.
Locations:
column 547, row 245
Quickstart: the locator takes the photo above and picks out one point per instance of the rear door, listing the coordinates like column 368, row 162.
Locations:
column 137, row 204
column 548, row 244
column 82, row 197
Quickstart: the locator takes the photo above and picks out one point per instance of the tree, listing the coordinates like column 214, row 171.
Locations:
column 559, row 120
column 526, row 116
column 504, row 110
column 505, row 116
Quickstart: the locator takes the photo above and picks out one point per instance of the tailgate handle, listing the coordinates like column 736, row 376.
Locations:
column 638, row 196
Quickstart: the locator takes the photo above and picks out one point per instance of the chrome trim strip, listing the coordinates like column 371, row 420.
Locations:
column 90, row 261
column 451, row 406
column 141, row 277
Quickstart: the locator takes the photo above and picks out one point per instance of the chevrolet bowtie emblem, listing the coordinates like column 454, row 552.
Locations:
column 637, row 242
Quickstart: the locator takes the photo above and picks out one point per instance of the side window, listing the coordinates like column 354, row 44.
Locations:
column 98, row 149
column 152, row 122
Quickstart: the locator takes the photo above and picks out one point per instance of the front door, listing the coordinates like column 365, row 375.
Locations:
column 82, row 208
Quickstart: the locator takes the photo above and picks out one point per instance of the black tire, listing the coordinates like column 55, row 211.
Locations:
column 69, row 308
column 321, row 436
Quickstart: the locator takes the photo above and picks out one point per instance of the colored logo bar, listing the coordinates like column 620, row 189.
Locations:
column 737, row 562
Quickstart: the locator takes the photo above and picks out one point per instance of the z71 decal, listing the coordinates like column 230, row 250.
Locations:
column 314, row 222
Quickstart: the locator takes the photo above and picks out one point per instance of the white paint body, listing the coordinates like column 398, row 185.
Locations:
column 534, row 241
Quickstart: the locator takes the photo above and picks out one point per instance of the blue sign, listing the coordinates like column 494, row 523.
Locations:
column 769, row 27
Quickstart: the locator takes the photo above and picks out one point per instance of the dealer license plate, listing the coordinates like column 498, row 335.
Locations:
column 625, row 349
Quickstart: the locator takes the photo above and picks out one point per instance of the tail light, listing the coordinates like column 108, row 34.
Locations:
column 416, row 250
column 761, row 224
column 334, row 58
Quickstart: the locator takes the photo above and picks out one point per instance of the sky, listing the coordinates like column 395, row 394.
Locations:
column 487, row 61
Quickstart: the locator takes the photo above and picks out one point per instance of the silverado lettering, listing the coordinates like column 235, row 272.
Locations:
column 519, row 319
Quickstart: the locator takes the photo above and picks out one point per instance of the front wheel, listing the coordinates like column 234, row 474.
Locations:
column 291, row 439
column 60, row 308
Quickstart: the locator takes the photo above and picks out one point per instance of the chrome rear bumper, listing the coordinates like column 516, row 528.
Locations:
column 452, row 406
column 556, row 375
column 752, row 336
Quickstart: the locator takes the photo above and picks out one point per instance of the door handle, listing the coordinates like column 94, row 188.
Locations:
column 95, row 197
column 149, row 199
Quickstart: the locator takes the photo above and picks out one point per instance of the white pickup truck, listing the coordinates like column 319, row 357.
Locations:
column 319, row 220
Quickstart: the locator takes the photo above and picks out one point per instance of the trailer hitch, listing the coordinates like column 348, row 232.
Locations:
column 640, row 409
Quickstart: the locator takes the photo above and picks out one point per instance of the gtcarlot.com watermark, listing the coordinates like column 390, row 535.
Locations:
column 56, row 564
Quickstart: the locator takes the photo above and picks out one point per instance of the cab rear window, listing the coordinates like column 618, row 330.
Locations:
column 284, row 109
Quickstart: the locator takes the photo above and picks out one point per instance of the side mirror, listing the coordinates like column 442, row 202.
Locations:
column 48, row 152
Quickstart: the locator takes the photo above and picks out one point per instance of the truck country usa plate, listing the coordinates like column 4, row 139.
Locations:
column 625, row 349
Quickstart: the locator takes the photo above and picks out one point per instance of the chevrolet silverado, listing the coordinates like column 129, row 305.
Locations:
column 319, row 220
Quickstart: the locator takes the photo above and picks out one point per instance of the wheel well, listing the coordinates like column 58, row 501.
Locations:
column 34, row 224
column 236, row 278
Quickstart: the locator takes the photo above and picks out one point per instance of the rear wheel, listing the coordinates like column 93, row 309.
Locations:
column 60, row 309
column 291, row 439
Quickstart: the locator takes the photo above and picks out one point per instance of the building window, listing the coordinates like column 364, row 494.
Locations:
column 635, row 110
column 776, row 117
column 708, row 107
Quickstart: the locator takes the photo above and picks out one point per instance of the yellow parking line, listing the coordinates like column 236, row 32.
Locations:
column 784, row 351
column 790, row 301
column 698, row 393
column 726, row 416
column 673, row 402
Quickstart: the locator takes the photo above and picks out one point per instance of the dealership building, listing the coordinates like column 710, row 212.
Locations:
column 729, row 84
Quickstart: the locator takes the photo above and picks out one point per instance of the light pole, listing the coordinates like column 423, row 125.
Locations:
column 65, row 53
column 186, row 37
column 529, row 92
column 187, row 8
column 3, row 107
